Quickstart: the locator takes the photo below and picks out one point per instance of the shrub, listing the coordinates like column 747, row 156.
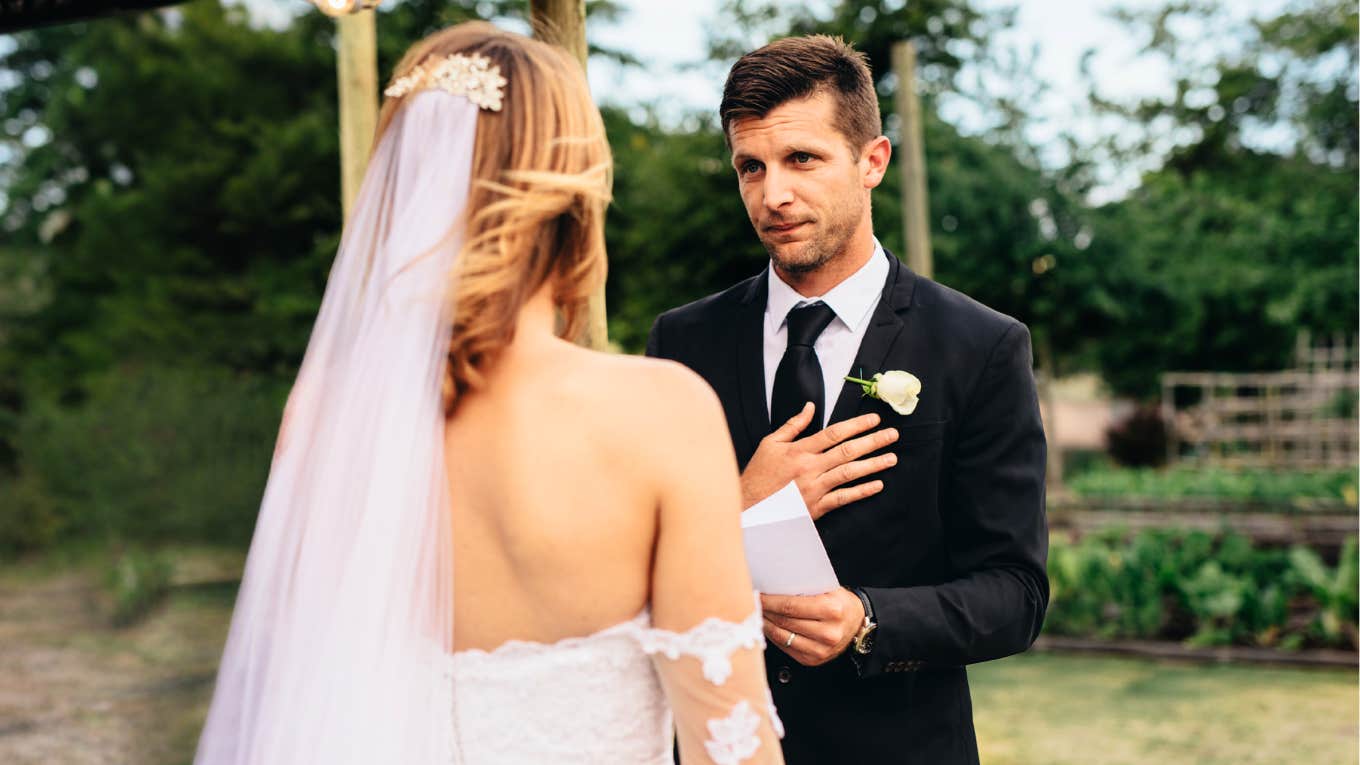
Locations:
column 1139, row 439
column 136, row 580
column 151, row 454
column 29, row 519
column 1207, row 590
column 1176, row 482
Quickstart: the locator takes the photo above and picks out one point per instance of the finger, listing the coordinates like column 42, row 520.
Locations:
column 807, row 653
column 849, row 451
column 816, row 656
column 842, row 497
column 813, row 607
column 825, row 633
column 771, row 631
column 801, row 649
column 834, row 434
column 779, row 636
column 795, row 424
column 853, row 471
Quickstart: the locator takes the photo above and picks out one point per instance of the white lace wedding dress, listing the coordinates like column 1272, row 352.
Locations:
column 617, row 696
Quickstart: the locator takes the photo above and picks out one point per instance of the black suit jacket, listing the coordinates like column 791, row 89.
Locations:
column 952, row 552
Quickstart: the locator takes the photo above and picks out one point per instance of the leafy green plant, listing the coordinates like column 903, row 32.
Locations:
column 136, row 580
column 154, row 454
column 1204, row 589
column 1333, row 589
column 29, row 519
column 1106, row 590
column 1261, row 485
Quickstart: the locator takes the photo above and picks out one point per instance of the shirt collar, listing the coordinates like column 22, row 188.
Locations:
column 852, row 300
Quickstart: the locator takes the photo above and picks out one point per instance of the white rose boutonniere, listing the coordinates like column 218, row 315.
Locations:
column 899, row 390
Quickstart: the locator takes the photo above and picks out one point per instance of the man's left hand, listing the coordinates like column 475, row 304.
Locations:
column 823, row 625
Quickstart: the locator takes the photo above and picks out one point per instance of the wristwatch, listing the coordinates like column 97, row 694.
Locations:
column 864, row 639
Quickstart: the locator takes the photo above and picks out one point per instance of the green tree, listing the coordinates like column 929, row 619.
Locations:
column 184, row 203
column 170, row 208
column 947, row 33
column 1246, row 231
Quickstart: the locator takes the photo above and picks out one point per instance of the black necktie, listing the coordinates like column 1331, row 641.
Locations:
column 798, row 379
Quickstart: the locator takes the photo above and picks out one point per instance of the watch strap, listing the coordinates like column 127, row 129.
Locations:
column 868, row 604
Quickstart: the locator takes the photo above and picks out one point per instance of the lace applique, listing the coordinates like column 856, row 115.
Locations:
column 734, row 737
column 712, row 642
column 775, row 723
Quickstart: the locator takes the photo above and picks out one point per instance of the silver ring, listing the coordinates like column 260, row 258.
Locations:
column 789, row 642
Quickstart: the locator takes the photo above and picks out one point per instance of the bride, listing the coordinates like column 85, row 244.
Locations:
column 481, row 543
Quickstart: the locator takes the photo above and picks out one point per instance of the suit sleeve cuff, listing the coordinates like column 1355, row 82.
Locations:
column 890, row 654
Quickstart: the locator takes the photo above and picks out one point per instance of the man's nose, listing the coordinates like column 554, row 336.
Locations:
column 778, row 189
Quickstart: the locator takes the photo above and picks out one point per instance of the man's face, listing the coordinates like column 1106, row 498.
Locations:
column 803, row 188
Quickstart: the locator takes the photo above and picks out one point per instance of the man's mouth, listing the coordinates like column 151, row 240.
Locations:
column 784, row 228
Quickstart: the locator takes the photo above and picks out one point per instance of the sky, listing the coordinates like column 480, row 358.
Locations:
column 1062, row 29
column 1058, row 32
column 669, row 37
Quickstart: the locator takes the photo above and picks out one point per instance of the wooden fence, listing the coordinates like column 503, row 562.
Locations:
column 1299, row 418
column 1323, row 524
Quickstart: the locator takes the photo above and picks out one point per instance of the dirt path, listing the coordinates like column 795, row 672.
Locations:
column 76, row 691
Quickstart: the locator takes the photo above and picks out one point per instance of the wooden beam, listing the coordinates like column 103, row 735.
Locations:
column 16, row 15
column 1166, row 650
column 357, row 70
column 915, row 210
column 563, row 22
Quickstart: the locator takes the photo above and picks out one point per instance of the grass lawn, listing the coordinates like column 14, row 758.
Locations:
column 1046, row 709
column 75, row 690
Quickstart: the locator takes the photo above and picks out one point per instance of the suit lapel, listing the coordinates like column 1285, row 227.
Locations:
column 885, row 327
column 750, row 362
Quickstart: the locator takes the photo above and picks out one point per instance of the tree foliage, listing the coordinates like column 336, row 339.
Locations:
column 1246, row 232
column 169, row 201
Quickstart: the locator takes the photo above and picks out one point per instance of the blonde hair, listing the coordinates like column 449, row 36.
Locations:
column 541, row 179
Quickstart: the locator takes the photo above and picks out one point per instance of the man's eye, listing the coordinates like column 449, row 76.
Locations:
column 750, row 167
column 802, row 158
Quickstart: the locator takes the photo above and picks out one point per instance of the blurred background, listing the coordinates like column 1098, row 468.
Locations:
column 1165, row 191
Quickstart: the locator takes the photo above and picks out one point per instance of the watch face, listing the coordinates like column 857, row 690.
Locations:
column 864, row 641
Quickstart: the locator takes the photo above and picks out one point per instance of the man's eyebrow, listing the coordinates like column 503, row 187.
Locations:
column 740, row 158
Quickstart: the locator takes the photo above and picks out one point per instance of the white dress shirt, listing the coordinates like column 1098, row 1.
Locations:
column 853, row 301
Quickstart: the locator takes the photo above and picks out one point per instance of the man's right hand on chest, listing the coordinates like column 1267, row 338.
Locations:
column 821, row 464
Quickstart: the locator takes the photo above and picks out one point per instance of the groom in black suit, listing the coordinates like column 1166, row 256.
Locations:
column 930, row 506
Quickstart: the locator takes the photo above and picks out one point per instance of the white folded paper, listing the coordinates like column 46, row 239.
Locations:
column 783, row 549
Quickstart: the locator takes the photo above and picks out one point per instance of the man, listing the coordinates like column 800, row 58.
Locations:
column 942, row 550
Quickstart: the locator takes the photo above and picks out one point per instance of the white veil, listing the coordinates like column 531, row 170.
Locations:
column 345, row 608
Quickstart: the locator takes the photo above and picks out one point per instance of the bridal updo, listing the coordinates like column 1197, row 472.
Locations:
column 541, row 178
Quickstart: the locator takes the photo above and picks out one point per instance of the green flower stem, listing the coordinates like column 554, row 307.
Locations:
column 869, row 387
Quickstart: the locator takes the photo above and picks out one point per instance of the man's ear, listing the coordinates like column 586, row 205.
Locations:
column 873, row 161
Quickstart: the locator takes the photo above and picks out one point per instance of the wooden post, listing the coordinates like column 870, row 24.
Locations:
column 563, row 22
column 915, row 210
column 1169, row 417
column 357, row 70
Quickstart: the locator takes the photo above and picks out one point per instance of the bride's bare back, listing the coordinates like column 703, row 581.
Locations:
column 585, row 486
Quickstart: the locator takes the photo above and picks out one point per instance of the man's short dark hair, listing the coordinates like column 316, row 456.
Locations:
column 799, row 67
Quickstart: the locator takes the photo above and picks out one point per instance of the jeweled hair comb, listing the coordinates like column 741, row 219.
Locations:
column 471, row 76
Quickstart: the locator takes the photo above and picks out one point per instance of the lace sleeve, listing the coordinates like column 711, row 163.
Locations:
column 714, row 677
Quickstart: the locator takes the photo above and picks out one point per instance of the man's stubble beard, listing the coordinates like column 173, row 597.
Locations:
column 821, row 249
